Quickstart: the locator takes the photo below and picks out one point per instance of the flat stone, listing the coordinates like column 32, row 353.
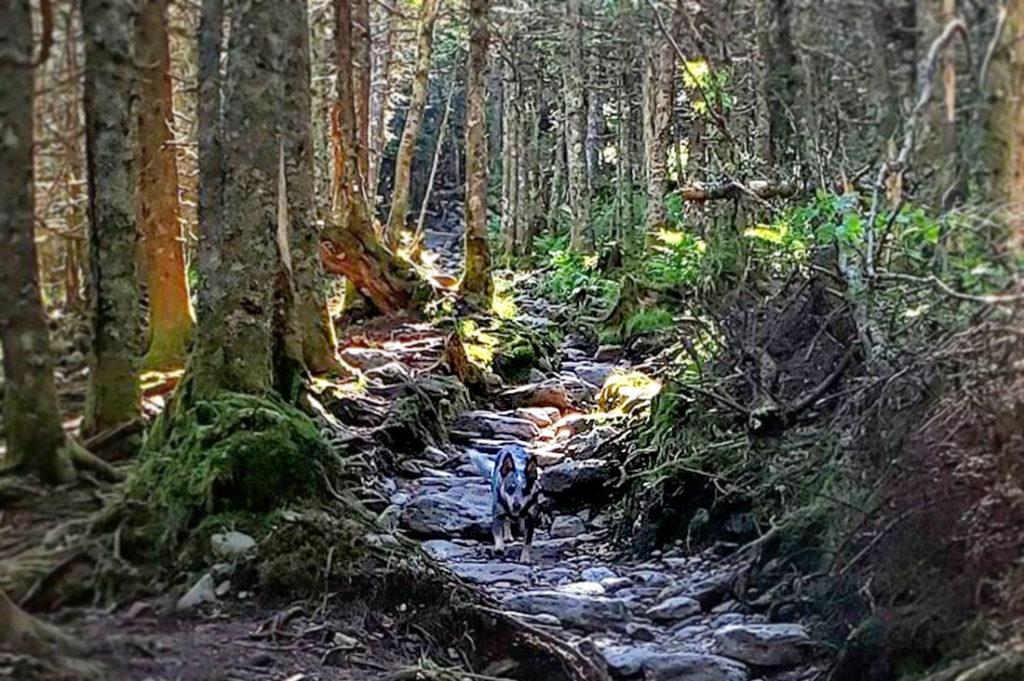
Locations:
column 591, row 372
column 689, row 632
column 203, row 591
column 540, row 620
column 492, row 573
column 576, row 478
column 232, row 544
column 463, row 509
column 586, row 612
column 625, row 661
column 640, row 632
column 547, row 393
column 677, row 608
column 367, row 358
column 613, row 584
column 567, row 526
column 583, row 588
column 556, row 575
column 597, row 574
column 491, row 424
column 542, row 417
column 764, row 645
column 652, row 578
column 692, row 667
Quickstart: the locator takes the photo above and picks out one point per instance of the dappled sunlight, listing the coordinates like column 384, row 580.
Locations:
column 624, row 392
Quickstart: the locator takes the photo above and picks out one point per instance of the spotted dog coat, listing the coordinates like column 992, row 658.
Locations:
column 514, row 495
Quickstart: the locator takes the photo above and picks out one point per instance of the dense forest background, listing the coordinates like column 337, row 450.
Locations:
column 274, row 267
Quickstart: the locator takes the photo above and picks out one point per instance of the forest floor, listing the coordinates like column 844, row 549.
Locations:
column 673, row 614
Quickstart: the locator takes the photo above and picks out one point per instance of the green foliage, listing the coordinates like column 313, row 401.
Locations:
column 647, row 320
column 576, row 277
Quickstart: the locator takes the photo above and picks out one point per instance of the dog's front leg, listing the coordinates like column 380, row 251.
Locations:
column 498, row 526
column 524, row 556
column 507, row 529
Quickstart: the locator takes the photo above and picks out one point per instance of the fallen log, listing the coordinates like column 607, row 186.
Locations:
column 762, row 189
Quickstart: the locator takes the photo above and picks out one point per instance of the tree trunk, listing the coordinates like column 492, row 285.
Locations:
column 35, row 437
column 510, row 160
column 113, row 395
column 777, row 81
column 624, row 162
column 170, row 310
column 476, row 281
column 380, row 99
column 529, row 138
column 236, row 322
column 361, row 76
column 413, row 118
column 657, row 100
column 349, row 246
column 575, row 130
column 312, row 316
column 1005, row 138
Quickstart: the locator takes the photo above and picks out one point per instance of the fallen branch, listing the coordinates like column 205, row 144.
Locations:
column 762, row 189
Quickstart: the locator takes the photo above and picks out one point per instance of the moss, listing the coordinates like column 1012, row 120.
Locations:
column 234, row 452
column 513, row 362
column 302, row 546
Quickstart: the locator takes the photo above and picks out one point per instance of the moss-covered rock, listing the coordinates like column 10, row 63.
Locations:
column 232, row 453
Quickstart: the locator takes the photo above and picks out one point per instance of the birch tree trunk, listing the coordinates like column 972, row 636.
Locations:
column 413, row 118
column 113, row 395
column 35, row 436
column 575, row 130
column 476, row 281
column 170, row 309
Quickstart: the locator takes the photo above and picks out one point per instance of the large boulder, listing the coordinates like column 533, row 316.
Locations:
column 491, row 424
column 492, row 573
column 593, row 613
column 764, row 645
column 458, row 510
column 581, row 480
column 678, row 608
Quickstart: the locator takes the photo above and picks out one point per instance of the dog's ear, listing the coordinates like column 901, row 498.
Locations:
column 531, row 467
column 506, row 465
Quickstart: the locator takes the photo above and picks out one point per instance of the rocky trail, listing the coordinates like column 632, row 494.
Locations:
column 672, row 616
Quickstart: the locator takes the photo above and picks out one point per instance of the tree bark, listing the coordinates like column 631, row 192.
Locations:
column 35, row 437
column 236, row 324
column 777, row 88
column 476, row 281
column 361, row 73
column 1004, row 146
column 110, row 125
column 510, row 94
column 380, row 99
column 413, row 118
column 575, row 130
column 170, row 309
column 312, row 316
column 659, row 71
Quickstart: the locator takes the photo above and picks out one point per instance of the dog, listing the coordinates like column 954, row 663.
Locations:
column 515, row 495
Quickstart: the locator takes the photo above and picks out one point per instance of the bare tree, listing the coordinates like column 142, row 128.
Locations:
column 476, row 281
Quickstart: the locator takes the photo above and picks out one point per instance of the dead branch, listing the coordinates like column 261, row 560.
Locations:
column 762, row 189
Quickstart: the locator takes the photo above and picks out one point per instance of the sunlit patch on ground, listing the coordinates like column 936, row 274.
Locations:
column 623, row 392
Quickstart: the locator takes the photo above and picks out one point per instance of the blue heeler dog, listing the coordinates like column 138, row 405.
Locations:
column 514, row 494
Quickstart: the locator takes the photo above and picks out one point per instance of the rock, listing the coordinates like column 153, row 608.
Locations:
column 442, row 549
column 652, row 578
column 677, row 608
column 577, row 479
column 367, row 358
column 547, row 393
column 491, row 424
column 463, row 509
column 491, row 573
column 692, row 667
column 556, row 575
column 625, row 661
column 712, row 591
column 590, row 372
column 764, row 645
column 540, row 620
column 727, row 619
column 608, row 353
column 586, row 612
column 542, row 417
column 597, row 574
column 232, row 544
column 567, row 526
column 640, row 632
column 689, row 631
column 203, row 591
column 344, row 641
column 613, row 584
column 536, row 375
column 583, row 588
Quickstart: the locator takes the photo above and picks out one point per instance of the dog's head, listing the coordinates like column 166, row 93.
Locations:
column 516, row 476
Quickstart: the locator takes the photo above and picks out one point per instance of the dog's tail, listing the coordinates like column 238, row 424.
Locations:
column 482, row 464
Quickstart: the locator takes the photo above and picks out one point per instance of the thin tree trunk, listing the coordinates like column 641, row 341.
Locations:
column 35, row 437
column 435, row 164
column 380, row 101
column 510, row 94
column 170, row 310
column 777, row 90
column 1004, row 147
column 113, row 395
column 312, row 316
column 575, row 130
column 476, row 281
column 529, row 138
column 413, row 118
column 361, row 76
